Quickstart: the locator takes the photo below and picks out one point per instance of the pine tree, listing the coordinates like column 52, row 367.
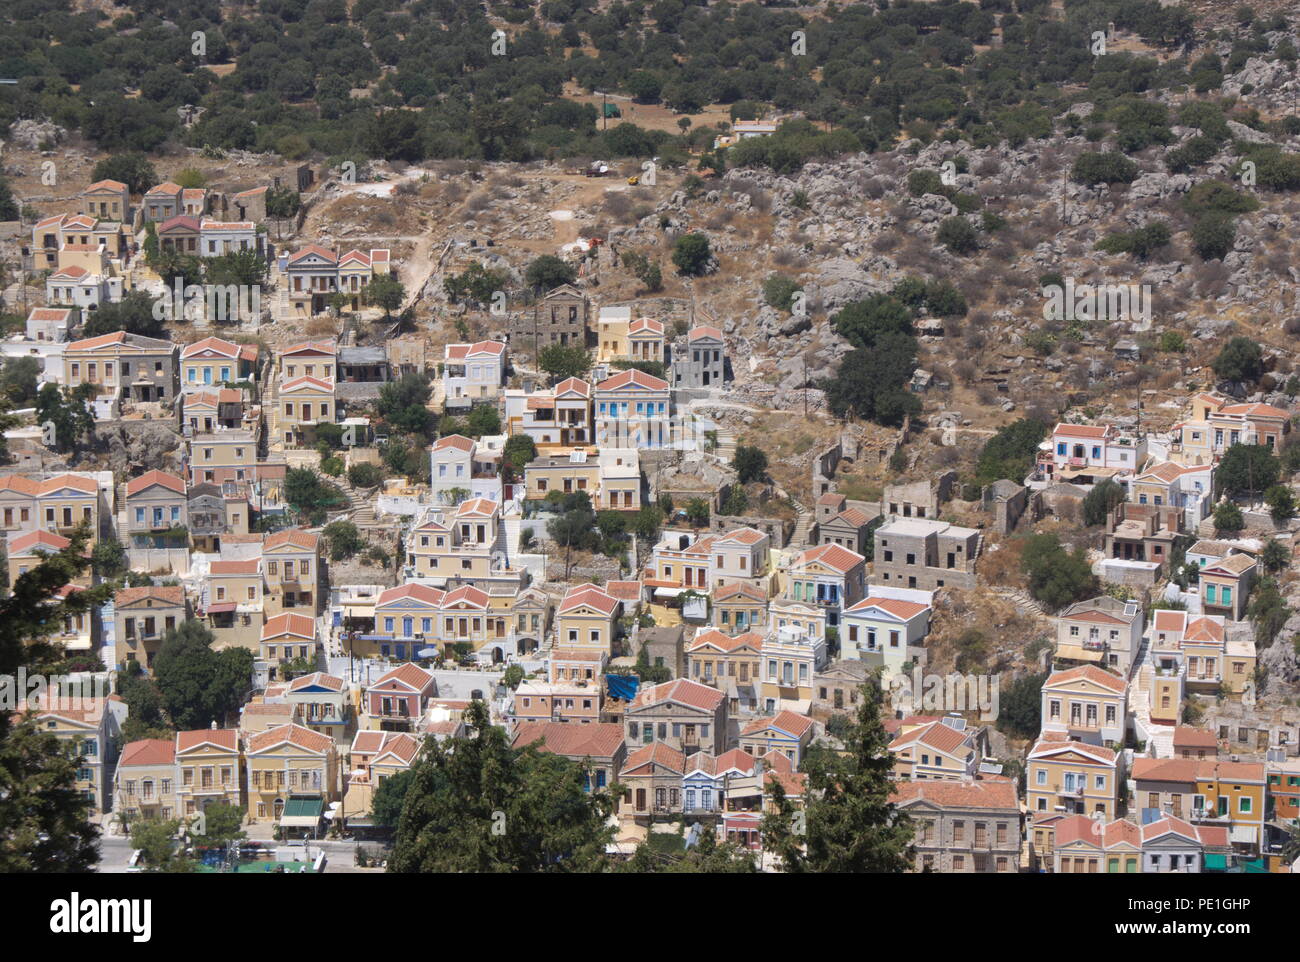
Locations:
column 475, row 804
column 44, row 820
column 850, row 823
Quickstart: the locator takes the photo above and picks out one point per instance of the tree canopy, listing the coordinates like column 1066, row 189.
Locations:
column 475, row 804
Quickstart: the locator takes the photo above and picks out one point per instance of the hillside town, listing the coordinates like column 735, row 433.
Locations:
column 601, row 565
column 787, row 492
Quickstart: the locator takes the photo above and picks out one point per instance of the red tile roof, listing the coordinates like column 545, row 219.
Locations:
column 680, row 690
column 295, row 735
column 150, row 478
column 148, row 751
column 600, row 740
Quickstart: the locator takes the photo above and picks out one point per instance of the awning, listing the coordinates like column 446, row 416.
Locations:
column 1078, row 653
column 1216, row 863
column 302, row 813
column 222, row 608
column 668, row 592
column 1246, row 834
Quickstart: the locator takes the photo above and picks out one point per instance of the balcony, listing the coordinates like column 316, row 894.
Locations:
column 1078, row 790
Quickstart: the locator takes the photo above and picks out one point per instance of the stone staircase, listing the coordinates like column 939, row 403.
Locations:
column 360, row 505
column 1159, row 738
column 803, row 527
column 1022, row 601
column 726, row 449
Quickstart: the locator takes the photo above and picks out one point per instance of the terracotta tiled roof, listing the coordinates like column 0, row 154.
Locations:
column 1205, row 629
column 681, row 690
column 1255, row 410
column 575, row 385
column 182, row 221
column 289, row 623
column 420, row 592
column 1228, row 771
column 745, row 536
column 645, row 325
column 168, row 594
column 457, row 441
column 936, row 735
column 220, row 347
column 1164, row 769
column 659, row 754
column 466, row 595
column 703, row 331
column 727, row 592
column 600, row 740
column 38, row 540
column 716, row 639
column 985, row 793
column 311, row 347
column 1092, row 673
column 632, row 376
column 246, row 566
column 150, row 478
column 1186, row 736
column 317, row 679
column 409, row 674
column 590, row 596
column 833, row 556
column 476, row 507
column 148, row 751
column 295, row 735
column 1048, row 745
column 1074, row 829
column 316, row 249
column 1096, row 432
column 1234, row 564
column 906, row 610
column 399, row 747
column 1169, row 825
column 786, row 721
column 50, row 314
column 623, row 590
column 226, row 739
column 1170, row 620
column 306, row 381
column 460, row 352
column 297, row 537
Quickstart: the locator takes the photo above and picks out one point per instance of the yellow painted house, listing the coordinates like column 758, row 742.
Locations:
column 290, row 763
column 1071, row 777
column 208, row 766
column 291, row 562
column 1232, row 794
column 214, row 361
column 586, row 619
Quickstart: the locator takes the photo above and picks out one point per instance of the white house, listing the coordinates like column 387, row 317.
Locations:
column 74, row 286
column 462, row 468
column 1080, row 449
column 473, row 372
column 887, row 629
column 221, row 237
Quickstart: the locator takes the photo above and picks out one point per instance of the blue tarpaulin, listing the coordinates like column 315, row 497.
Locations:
column 622, row 686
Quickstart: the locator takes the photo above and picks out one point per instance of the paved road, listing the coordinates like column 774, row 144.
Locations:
column 340, row 856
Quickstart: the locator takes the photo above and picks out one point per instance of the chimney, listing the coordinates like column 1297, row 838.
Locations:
column 214, row 725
